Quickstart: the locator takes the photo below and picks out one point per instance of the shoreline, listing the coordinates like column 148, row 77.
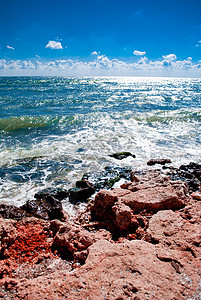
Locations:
column 142, row 238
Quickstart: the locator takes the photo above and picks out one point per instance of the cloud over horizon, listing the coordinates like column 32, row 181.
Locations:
column 54, row 45
column 102, row 65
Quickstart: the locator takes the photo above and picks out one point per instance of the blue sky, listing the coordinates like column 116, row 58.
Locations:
column 132, row 32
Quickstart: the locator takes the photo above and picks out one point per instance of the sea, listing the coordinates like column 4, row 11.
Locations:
column 55, row 129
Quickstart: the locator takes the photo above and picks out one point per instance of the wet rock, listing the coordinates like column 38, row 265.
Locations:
column 122, row 155
column 47, row 208
column 190, row 173
column 58, row 194
column 152, row 162
column 83, row 190
column 107, row 178
column 12, row 212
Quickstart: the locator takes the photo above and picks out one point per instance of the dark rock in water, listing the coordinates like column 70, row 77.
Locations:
column 12, row 212
column 83, row 190
column 107, row 178
column 160, row 161
column 122, row 155
column 46, row 208
column 58, row 194
column 82, row 184
column 190, row 173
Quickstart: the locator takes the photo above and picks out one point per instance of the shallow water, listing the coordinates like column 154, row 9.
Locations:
column 53, row 130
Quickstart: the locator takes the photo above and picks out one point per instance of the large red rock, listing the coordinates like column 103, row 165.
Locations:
column 127, row 270
column 149, row 193
column 156, row 198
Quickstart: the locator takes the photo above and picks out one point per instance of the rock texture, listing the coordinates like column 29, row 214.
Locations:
column 140, row 241
column 149, row 194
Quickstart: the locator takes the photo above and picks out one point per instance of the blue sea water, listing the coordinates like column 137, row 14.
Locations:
column 55, row 129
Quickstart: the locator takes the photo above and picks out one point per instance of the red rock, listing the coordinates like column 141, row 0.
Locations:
column 71, row 239
column 157, row 255
column 196, row 195
column 123, row 216
column 127, row 270
column 152, row 193
column 156, row 198
column 170, row 229
column 21, row 242
column 104, row 201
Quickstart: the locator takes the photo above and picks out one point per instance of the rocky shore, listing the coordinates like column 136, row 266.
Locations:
column 137, row 241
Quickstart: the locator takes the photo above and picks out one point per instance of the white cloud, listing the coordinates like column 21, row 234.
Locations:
column 54, row 45
column 94, row 53
column 136, row 52
column 2, row 63
column 170, row 57
column 11, row 48
column 102, row 65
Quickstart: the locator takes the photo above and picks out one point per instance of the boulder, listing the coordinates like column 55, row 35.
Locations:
column 104, row 201
column 161, row 161
column 83, row 190
column 156, row 198
column 140, row 241
column 47, row 208
column 149, row 193
column 12, row 212
column 127, row 270
column 122, row 155
column 123, row 216
column 56, row 193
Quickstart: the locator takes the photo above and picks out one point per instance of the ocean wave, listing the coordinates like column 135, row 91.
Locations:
column 26, row 122
column 15, row 123
column 169, row 116
column 53, row 130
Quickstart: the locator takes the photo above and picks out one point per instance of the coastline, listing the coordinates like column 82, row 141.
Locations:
column 140, row 240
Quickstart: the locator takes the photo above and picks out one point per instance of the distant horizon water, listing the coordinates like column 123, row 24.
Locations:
column 55, row 129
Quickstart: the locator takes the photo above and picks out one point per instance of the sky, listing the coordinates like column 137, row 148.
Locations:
column 91, row 37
